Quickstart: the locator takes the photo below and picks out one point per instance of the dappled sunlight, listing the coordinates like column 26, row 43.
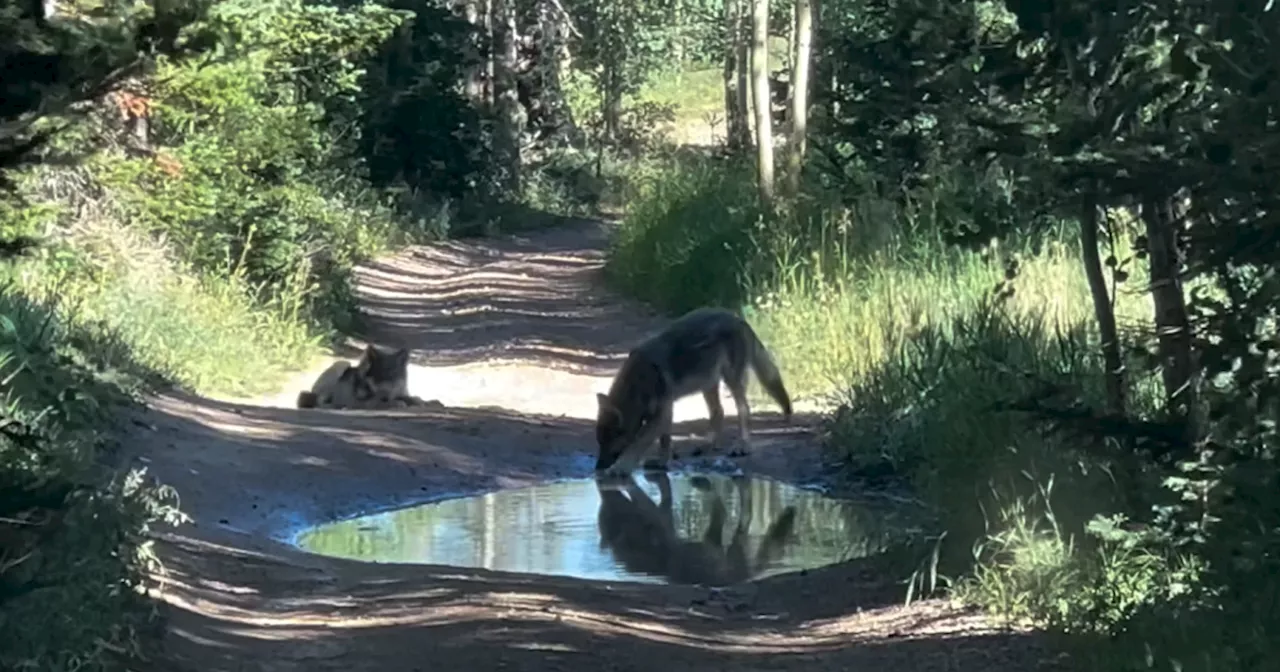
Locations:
column 536, row 302
column 514, row 340
column 351, row 614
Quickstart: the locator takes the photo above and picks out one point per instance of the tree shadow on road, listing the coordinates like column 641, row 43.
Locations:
column 237, row 600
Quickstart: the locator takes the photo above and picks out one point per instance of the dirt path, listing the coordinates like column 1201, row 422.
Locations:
column 519, row 324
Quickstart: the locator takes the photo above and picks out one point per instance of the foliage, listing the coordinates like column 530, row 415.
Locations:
column 976, row 121
column 50, row 64
column 416, row 129
column 74, row 529
column 263, row 190
column 622, row 45
column 687, row 237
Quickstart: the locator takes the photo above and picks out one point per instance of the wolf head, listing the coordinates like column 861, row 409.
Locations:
column 612, row 433
column 384, row 373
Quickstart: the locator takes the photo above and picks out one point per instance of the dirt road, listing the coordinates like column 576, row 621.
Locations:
column 513, row 336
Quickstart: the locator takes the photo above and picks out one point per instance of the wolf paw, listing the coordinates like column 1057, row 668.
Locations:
column 738, row 450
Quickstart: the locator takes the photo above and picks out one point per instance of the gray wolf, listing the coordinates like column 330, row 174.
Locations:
column 339, row 386
column 693, row 354
column 641, row 535
column 379, row 379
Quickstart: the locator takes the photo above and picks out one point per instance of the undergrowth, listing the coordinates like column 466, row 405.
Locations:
column 916, row 347
column 209, row 332
column 74, row 554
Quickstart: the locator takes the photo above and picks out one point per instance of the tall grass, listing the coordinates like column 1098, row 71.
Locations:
column 687, row 238
column 75, row 549
column 916, row 347
column 207, row 332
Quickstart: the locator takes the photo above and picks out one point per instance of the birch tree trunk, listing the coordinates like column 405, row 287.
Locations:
column 803, row 32
column 764, row 119
column 506, row 98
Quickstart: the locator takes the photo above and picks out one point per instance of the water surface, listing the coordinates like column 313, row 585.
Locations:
column 682, row 528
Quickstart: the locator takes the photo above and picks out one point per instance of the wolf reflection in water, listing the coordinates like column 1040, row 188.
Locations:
column 642, row 535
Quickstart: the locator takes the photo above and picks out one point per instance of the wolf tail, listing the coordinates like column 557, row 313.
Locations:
column 307, row 399
column 767, row 372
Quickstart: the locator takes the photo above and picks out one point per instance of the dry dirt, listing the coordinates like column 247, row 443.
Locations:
column 513, row 336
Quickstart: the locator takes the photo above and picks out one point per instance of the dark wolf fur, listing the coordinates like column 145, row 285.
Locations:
column 693, row 354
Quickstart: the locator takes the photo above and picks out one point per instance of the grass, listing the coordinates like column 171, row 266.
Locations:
column 75, row 554
column 697, row 95
column 830, row 332
column 912, row 346
column 203, row 332
column 698, row 99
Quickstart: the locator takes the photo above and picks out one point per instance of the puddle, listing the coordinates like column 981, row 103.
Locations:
column 683, row 528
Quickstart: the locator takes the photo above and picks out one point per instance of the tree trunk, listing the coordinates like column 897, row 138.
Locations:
column 611, row 103
column 742, row 60
column 803, row 32
column 1126, row 468
column 737, row 135
column 764, row 119
column 1172, row 326
column 728, row 74
column 489, row 66
column 475, row 77
column 552, row 64
column 1103, row 307
column 506, row 98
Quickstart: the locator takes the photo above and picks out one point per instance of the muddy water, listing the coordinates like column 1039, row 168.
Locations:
column 684, row 528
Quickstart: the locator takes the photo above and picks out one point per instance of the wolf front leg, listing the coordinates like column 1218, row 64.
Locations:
column 654, row 430
column 664, row 440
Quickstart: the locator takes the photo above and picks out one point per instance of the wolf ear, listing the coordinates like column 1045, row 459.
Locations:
column 402, row 357
column 607, row 407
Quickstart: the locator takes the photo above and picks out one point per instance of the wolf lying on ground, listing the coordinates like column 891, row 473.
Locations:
column 693, row 354
column 378, row 380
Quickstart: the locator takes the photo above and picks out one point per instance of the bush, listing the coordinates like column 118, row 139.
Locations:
column 1032, row 528
column 688, row 238
column 210, row 333
column 74, row 552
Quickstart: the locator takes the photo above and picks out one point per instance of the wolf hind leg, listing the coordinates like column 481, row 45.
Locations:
column 738, row 388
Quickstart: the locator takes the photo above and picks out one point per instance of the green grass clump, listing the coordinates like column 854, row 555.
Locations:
column 203, row 332
column 687, row 237
column 916, row 346
column 75, row 553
